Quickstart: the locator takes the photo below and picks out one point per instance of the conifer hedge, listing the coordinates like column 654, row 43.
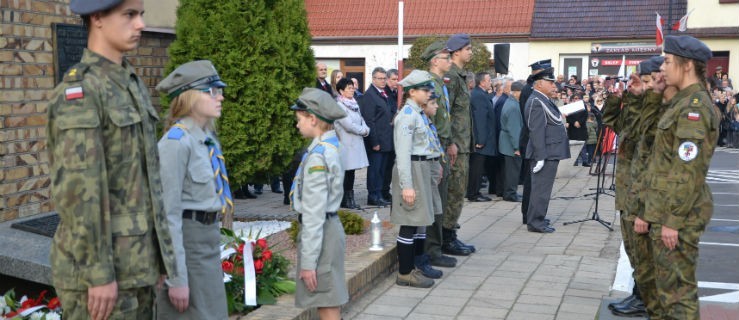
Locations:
column 261, row 49
column 480, row 54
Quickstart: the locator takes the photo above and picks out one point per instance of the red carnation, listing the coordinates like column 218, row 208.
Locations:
column 53, row 303
column 262, row 243
column 240, row 249
column 227, row 266
column 258, row 266
column 267, row 255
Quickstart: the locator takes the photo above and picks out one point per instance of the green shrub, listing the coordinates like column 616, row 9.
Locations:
column 261, row 49
column 480, row 54
column 352, row 223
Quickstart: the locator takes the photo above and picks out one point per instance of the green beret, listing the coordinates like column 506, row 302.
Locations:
column 319, row 103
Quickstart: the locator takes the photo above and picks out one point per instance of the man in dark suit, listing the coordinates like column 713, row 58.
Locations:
column 547, row 145
column 391, row 90
column 483, row 128
column 321, row 83
column 375, row 108
column 494, row 165
column 536, row 67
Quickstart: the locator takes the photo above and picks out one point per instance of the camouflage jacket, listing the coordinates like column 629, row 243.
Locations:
column 105, row 179
column 623, row 121
column 686, row 137
column 652, row 110
column 441, row 119
column 459, row 100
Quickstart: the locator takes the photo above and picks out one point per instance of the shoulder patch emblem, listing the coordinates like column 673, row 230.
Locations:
column 314, row 169
column 408, row 111
column 694, row 116
column 687, row 151
column 74, row 93
column 175, row 133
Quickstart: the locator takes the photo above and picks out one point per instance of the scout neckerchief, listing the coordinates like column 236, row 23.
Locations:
column 332, row 142
column 434, row 139
column 218, row 162
column 446, row 97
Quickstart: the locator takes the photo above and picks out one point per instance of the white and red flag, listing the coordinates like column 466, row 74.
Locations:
column 660, row 22
column 682, row 24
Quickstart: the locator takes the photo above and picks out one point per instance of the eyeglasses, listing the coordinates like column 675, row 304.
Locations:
column 213, row 91
column 378, row 78
column 444, row 57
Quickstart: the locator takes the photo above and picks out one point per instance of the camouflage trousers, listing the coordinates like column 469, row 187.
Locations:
column 434, row 239
column 457, row 188
column 132, row 304
column 677, row 287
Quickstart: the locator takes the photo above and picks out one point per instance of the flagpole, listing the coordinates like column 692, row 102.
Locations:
column 400, row 51
column 669, row 18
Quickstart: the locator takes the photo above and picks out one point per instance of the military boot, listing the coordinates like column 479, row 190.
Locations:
column 626, row 301
column 414, row 279
column 452, row 247
column 350, row 202
column 635, row 309
column 462, row 244
column 443, row 261
column 423, row 264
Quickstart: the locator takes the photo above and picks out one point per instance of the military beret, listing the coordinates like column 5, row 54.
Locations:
column 546, row 74
column 433, row 49
column 688, row 47
column 541, row 64
column 199, row 74
column 657, row 62
column 417, row 79
column 457, row 41
column 86, row 7
column 517, row 86
column 644, row 67
column 319, row 103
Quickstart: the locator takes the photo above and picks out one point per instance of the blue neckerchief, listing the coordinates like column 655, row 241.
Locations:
column 318, row 148
column 446, row 97
column 218, row 162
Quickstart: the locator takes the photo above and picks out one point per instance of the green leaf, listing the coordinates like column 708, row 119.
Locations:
column 265, row 297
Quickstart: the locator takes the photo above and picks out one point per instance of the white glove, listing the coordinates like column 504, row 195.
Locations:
column 538, row 166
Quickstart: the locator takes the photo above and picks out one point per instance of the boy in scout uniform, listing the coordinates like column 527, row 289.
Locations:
column 679, row 205
column 413, row 206
column 196, row 190
column 316, row 195
column 113, row 243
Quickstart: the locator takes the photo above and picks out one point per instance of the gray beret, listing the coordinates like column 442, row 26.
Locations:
column 433, row 49
column 541, row 65
column 517, row 86
column 86, row 7
column 657, row 62
column 688, row 47
column 457, row 41
column 645, row 67
column 199, row 74
column 319, row 103
column 417, row 79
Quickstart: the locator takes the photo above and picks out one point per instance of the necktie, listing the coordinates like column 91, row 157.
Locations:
column 218, row 162
column 383, row 94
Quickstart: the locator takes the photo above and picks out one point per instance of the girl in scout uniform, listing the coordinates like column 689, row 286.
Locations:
column 195, row 192
column 316, row 194
column 416, row 150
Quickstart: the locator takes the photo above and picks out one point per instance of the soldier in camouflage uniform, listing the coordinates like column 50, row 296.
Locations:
column 620, row 112
column 440, row 62
column 678, row 205
column 458, row 149
column 112, row 244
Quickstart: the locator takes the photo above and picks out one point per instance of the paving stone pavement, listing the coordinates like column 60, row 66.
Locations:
column 516, row 274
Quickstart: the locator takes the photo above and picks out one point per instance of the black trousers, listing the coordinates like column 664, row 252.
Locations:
column 494, row 169
column 526, row 177
column 541, row 192
column 511, row 173
column 477, row 169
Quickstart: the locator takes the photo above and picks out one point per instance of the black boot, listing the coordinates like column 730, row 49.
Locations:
column 345, row 201
column 635, row 309
column 452, row 247
column 626, row 301
column 423, row 264
column 350, row 202
column 459, row 242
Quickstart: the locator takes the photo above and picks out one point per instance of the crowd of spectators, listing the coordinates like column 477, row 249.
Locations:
column 725, row 97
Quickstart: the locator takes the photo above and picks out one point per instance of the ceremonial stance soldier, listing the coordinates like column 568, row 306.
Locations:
column 439, row 60
column 112, row 244
column 621, row 113
column 679, row 205
column 547, row 145
column 316, row 195
column 460, row 48
column 196, row 189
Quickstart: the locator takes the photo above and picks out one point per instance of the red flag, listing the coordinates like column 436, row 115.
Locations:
column 682, row 24
column 660, row 22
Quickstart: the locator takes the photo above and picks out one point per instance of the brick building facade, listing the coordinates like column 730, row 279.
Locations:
column 26, row 81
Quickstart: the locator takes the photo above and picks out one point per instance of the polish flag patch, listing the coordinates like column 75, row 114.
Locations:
column 693, row 116
column 74, row 93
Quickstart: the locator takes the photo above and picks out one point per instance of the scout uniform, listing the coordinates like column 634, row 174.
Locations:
column 461, row 135
column 316, row 194
column 678, row 195
column 105, row 185
column 434, row 238
column 416, row 149
column 196, row 190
